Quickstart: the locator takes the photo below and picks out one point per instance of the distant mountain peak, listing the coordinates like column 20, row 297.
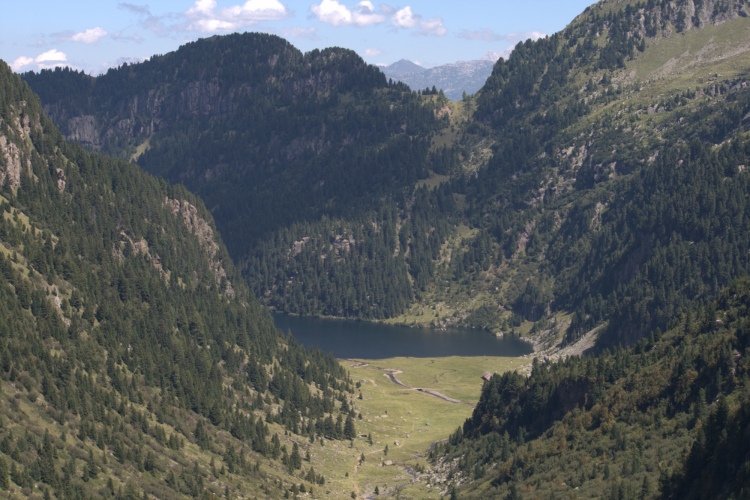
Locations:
column 453, row 79
column 403, row 67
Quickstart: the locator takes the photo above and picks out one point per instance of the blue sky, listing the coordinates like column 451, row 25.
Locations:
column 96, row 35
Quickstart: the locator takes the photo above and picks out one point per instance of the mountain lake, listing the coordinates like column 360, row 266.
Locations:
column 367, row 340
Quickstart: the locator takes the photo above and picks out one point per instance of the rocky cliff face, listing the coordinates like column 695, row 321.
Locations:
column 12, row 158
column 680, row 16
column 144, row 113
column 131, row 103
column 83, row 129
column 203, row 231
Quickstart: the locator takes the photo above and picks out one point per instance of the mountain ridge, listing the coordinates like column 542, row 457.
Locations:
column 336, row 140
column 510, row 198
column 402, row 67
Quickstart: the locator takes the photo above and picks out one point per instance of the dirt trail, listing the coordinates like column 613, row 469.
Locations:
column 392, row 375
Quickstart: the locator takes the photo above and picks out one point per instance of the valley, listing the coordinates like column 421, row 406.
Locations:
column 592, row 200
column 405, row 420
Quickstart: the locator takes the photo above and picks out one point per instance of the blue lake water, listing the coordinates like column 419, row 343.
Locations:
column 361, row 339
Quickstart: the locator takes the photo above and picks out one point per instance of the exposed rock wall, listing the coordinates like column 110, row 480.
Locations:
column 685, row 15
column 13, row 159
column 205, row 234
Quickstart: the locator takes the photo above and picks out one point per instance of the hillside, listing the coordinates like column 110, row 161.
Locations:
column 667, row 418
column 535, row 208
column 606, row 163
column 133, row 360
column 264, row 133
column 619, row 154
column 285, row 148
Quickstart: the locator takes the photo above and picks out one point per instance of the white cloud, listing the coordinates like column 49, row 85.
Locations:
column 21, row 63
column 332, row 12
column 48, row 59
column 51, row 55
column 202, row 7
column 364, row 13
column 432, row 27
column 136, row 9
column 159, row 25
column 213, row 25
column 257, row 10
column 406, row 19
column 205, row 17
column 91, row 35
column 337, row 14
column 372, row 52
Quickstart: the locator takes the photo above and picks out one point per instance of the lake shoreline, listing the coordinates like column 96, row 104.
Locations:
column 356, row 338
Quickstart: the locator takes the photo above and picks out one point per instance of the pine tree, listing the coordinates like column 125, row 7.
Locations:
column 4, row 481
column 295, row 461
column 349, row 430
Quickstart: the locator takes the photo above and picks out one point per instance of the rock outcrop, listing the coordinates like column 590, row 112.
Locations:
column 203, row 231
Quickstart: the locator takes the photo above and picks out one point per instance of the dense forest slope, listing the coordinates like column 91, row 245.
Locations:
column 276, row 142
column 595, row 187
column 616, row 189
column 133, row 359
column 667, row 418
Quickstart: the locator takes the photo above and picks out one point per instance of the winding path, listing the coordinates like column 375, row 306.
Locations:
column 392, row 375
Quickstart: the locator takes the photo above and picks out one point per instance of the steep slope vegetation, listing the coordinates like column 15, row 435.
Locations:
column 274, row 141
column 132, row 358
column 616, row 188
column 618, row 425
column 626, row 199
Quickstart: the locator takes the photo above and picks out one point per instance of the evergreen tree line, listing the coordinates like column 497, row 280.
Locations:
column 117, row 329
column 662, row 418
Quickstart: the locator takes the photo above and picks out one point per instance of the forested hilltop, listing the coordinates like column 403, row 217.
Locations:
column 538, row 208
column 306, row 161
column 133, row 359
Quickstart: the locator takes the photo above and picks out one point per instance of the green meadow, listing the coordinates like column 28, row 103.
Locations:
column 407, row 421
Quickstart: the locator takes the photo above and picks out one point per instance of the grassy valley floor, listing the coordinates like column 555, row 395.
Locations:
column 405, row 419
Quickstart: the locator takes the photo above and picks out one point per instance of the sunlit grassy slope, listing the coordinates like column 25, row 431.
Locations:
column 408, row 421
